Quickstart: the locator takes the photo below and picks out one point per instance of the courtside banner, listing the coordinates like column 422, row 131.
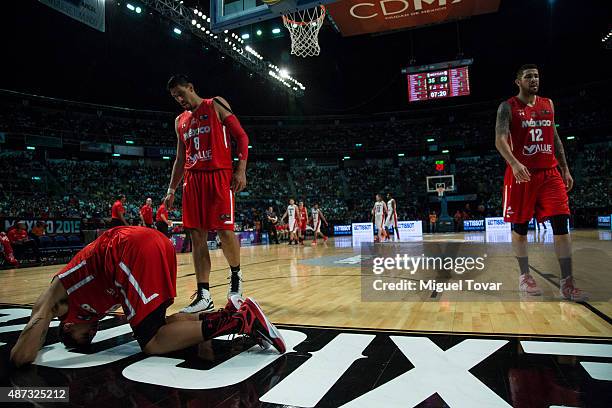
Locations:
column 90, row 12
column 410, row 228
column 355, row 17
column 497, row 224
column 342, row 230
column 59, row 226
column 603, row 221
column 362, row 232
column 473, row 225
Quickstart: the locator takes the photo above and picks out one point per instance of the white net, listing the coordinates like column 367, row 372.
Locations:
column 304, row 26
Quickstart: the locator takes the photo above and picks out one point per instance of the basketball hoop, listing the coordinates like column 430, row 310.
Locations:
column 440, row 191
column 304, row 26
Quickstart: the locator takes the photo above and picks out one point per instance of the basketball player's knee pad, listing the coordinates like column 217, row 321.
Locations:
column 559, row 224
column 520, row 229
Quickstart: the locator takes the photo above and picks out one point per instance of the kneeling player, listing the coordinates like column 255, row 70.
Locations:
column 132, row 267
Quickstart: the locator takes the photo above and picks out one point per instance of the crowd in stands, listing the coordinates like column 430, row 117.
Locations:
column 37, row 186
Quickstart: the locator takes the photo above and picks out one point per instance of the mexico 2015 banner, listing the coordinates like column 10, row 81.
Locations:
column 56, row 226
column 90, row 12
column 355, row 17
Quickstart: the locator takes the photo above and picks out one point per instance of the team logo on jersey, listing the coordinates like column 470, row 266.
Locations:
column 203, row 117
column 110, row 292
column 545, row 112
column 536, row 123
column 521, row 112
column 537, row 148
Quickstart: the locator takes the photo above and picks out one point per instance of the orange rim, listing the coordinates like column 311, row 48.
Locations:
column 287, row 19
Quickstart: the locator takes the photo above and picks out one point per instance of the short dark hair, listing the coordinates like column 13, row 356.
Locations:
column 65, row 336
column 176, row 80
column 524, row 68
column 120, row 196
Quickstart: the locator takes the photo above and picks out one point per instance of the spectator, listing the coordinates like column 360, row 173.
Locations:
column 21, row 242
column 458, row 220
column 118, row 211
column 7, row 250
column 433, row 219
column 38, row 230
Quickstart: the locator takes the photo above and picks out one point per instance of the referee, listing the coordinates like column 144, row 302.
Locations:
column 270, row 220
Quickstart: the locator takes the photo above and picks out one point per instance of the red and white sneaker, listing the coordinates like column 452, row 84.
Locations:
column 528, row 285
column 570, row 292
column 259, row 327
column 325, row 239
column 234, row 303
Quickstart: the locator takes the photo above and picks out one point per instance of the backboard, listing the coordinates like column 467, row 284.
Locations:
column 433, row 182
column 231, row 14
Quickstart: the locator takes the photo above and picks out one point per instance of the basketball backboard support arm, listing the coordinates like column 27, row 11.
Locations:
column 183, row 16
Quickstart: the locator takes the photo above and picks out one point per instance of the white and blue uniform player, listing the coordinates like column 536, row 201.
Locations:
column 379, row 212
column 292, row 221
column 391, row 220
column 316, row 218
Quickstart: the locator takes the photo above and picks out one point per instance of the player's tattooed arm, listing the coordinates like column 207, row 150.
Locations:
column 502, row 132
column 52, row 302
column 31, row 339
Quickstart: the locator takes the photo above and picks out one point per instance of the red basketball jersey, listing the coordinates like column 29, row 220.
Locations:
column 117, row 209
column 147, row 214
column 207, row 145
column 132, row 267
column 532, row 133
column 303, row 214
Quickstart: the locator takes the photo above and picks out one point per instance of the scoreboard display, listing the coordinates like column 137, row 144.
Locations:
column 436, row 81
column 438, row 84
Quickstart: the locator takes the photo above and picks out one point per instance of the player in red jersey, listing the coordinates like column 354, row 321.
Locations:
column 146, row 213
column 303, row 221
column 118, row 212
column 527, row 139
column 204, row 157
column 162, row 221
column 135, row 268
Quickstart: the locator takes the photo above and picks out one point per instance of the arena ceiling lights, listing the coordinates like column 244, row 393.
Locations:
column 198, row 24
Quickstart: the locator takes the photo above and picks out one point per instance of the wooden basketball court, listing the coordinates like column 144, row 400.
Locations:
column 328, row 294
column 341, row 350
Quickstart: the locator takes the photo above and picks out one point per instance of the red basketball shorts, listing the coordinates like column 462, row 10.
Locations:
column 544, row 195
column 208, row 201
column 147, row 275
